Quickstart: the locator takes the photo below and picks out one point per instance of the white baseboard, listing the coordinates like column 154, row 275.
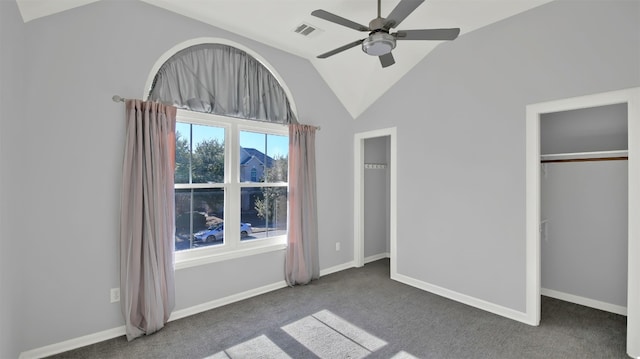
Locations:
column 182, row 313
column 120, row 331
column 587, row 302
column 178, row 314
column 338, row 268
column 463, row 298
column 375, row 257
column 73, row 343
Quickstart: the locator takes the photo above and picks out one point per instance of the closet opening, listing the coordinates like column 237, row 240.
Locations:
column 583, row 205
column 375, row 219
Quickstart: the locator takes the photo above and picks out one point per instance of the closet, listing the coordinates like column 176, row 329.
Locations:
column 376, row 198
column 584, row 206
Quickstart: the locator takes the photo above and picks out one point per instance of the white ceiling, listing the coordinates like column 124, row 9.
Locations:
column 357, row 79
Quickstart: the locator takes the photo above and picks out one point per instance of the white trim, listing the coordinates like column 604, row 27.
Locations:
column 587, row 302
column 632, row 98
column 199, row 260
column 186, row 312
column 462, row 298
column 532, row 220
column 358, row 194
column 216, row 40
column 358, row 200
column 633, row 289
column 338, row 268
column 352, row 264
column 73, row 343
column 376, row 257
column 393, row 201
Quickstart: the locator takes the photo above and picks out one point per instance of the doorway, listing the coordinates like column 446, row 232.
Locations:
column 383, row 166
column 630, row 97
column 584, row 203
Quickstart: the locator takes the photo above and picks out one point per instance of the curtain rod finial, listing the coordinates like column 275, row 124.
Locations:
column 117, row 98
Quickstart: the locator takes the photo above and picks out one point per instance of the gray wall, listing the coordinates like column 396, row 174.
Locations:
column 585, row 249
column 602, row 128
column 461, row 113
column 376, row 197
column 67, row 160
column 11, row 246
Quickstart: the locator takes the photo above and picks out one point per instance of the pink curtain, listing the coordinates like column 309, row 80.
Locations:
column 147, row 221
column 301, row 261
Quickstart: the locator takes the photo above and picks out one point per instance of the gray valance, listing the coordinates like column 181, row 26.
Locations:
column 222, row 80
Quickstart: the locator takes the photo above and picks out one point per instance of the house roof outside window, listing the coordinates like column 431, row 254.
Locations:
column 246, row 154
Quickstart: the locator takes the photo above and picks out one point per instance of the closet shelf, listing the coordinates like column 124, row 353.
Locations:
column 586, row 156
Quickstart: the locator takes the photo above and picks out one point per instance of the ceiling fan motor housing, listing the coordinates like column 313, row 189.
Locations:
column 379, row 43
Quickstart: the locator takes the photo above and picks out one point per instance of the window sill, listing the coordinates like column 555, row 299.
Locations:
column 220, row 257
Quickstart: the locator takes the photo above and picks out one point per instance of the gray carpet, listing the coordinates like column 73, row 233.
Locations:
column 407, row 323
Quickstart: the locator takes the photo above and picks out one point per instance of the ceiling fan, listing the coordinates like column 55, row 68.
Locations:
column 380, row 41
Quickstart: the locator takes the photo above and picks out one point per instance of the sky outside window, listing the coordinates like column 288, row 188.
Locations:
column 276, row 145
column 273, row 145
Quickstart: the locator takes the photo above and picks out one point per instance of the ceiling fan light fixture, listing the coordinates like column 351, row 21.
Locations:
column 379, row 43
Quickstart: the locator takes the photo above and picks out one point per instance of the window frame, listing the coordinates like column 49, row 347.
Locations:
column 233, row 246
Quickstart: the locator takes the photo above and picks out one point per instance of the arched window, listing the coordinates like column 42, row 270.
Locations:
column 222, row 80
column 243, row 112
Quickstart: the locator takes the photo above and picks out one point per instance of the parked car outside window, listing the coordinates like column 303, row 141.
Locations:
column 216, row 232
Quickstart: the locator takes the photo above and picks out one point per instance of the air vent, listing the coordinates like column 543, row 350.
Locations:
column 307, row 30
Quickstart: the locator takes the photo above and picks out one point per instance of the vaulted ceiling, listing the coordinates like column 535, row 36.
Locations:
column 356, row 78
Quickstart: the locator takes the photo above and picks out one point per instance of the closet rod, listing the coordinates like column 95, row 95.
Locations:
column 587, row 159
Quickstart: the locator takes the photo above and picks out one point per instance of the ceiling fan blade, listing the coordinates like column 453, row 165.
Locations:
column 404, row 8
column 386, row 60
column 340, row 49
column 339, row 20
column 428, row 34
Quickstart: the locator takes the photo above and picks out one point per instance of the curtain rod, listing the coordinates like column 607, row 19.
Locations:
column 314, row 126
column 117, row 98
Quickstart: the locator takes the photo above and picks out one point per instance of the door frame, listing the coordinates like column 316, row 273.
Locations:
column 631, row 97
column 358, row 194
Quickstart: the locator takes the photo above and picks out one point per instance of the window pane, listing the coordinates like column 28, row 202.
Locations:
column 263, row 157
column 199, row 217
column 199, row 154
column 183, row 152
column 264, row 211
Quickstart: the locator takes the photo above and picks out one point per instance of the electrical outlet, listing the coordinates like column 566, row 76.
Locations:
column 337, row 246
column 115, row 295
